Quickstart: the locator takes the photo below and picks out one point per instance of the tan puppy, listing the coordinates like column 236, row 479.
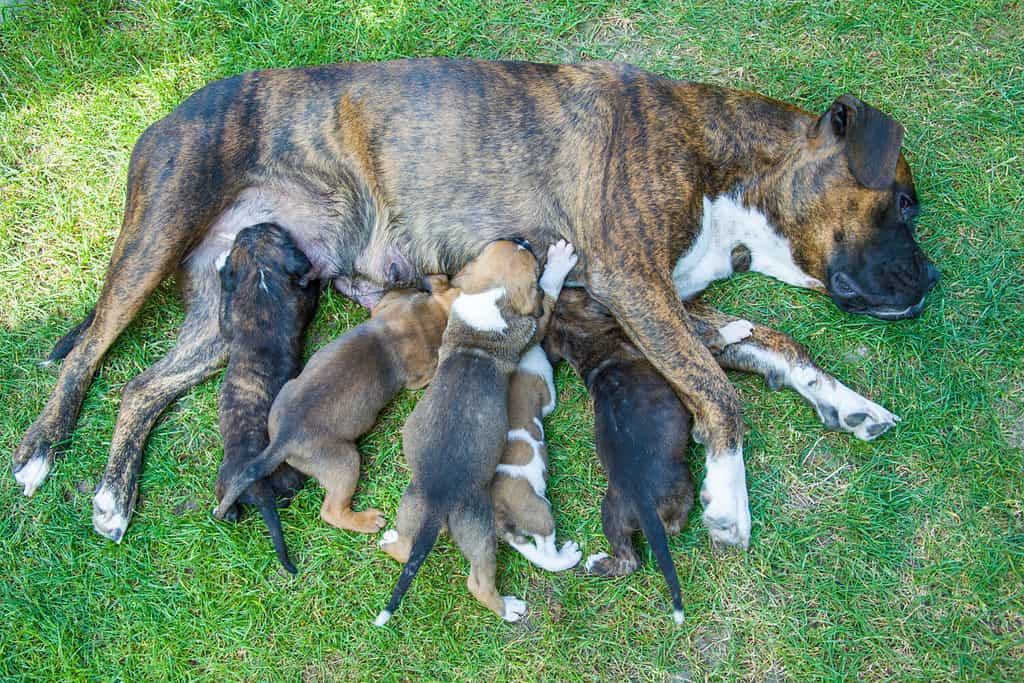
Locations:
column 522, row 513
column 455, row 437
column 317, row 417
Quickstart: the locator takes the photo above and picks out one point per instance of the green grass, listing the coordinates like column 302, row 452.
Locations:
column 899, row 559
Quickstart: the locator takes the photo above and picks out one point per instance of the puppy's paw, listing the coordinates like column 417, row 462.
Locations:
column 514, row 608
column 848, row 411
column 603, row 564
column 594, row 560
column 369, row 521
column 388, row 537
column 33, row 472
column 570, row 555
column 724, row 495
column 109, row 516
column 736, row 331
column 561, row 260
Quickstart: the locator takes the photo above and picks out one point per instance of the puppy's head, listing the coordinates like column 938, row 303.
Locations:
column 507, row 263
column 264, row 262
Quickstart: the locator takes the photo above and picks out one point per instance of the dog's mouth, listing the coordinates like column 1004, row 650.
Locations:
column 889, row 313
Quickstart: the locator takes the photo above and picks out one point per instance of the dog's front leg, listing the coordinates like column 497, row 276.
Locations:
column 647, row 307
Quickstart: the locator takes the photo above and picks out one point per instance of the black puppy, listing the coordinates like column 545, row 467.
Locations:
column 266, row 304
column 641, row 433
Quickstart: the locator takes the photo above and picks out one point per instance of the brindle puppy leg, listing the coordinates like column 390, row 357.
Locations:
column 197, row 354
column 784, row 362
column 472, row 528
column 647, row 307
column 618, row 524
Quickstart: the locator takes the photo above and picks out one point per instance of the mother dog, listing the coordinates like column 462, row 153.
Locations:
column 386, row 171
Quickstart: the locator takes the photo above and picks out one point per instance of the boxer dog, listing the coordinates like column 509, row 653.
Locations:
column 454, row 438
column 385, row 171
column 318, row 416
column 266, row 306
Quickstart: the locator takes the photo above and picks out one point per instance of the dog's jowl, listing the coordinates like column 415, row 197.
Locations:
column 386, row 171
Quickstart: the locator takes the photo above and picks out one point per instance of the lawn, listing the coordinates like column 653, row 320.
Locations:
column 898, row 559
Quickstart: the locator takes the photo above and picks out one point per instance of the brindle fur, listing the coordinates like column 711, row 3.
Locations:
column 386, row 170
column 317, row 417
column 264, row 313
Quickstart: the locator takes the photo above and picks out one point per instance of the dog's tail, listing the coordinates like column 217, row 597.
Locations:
column 260, row 467
column 265, row 502
column 68, row 341
column 654, row 530
column 422, row 544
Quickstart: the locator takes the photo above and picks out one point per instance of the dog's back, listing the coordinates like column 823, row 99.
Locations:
column 264, row 312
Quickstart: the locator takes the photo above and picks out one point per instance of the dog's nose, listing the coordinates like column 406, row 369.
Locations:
column 933, row 274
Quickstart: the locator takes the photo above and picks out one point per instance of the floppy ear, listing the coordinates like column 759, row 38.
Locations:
column 435, row 284
column 526, row 299
column 297, row 266
column 228, row 277
column 873, row 140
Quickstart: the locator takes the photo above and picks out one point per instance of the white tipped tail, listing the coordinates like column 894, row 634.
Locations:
column 677, row 616
column 382, row 618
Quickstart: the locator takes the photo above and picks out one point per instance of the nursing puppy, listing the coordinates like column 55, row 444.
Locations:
column 522, row 513
column 455, row 437
column 641, row 433
column 318, row 416
column 265, row 308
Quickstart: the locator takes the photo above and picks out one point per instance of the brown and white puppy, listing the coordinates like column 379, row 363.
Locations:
column 266, row 306
column 522, row 513
column 455, row 437
column 319, row 415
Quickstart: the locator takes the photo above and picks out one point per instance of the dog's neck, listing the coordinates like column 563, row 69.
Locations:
column 745, row 202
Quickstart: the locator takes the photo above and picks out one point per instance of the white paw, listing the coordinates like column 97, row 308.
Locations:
column 33, row 473
column 561, row 260
column 514, row 608
column 388, row 537
column 855, row 414
column 724, row 495
column 594, row 559
column 736, row 331
column 107, row 519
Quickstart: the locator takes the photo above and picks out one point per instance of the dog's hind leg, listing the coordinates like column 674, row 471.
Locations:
column 197, row 354
column 162, row 218
column 783, row 362
column 618, row 525
column 472, row 528
column 337, row 470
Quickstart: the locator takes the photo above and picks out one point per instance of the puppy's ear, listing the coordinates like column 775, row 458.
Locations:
column 435, row 284
column 228, row 277
column 526, row 299
column 298, row 267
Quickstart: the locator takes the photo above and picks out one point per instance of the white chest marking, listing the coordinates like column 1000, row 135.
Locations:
column 533, row 471
column 726, row 224
column 480, row 311
column 535, row 362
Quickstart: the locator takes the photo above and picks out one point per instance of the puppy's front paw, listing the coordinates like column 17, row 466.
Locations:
column 561, row 260
column 724, row 495
column 109, row 515
column 736, row 331
column 514, row 608
column 848, row 411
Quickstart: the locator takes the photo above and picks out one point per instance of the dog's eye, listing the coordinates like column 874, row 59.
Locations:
column 908, row 209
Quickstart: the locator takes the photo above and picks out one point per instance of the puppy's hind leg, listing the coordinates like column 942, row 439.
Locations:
column 617, row 524
column 197, row 354
column 337, row 470
column 472, row 527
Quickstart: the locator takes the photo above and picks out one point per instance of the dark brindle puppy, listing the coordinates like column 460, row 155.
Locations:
column 384, row 171
column 266, row 306
column 454, row 439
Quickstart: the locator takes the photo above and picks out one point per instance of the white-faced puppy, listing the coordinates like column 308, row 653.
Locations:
column 319, row 415
column 522, row 513
column 455, row 437
column 266, row 304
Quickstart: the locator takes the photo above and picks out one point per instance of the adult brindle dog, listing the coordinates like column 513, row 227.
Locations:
column 386, row 171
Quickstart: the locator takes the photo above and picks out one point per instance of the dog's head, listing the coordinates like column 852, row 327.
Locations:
column 507, row 263
column 846, row 203
column 263, row 262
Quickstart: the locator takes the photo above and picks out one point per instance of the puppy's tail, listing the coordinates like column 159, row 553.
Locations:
column 424, row 542
column 263, row 495
column 260, row 467
column 654, row 530
column 68, row 341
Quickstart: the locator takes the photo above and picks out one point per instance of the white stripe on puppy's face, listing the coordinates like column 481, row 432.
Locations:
column 480, row 311
column 535, row 362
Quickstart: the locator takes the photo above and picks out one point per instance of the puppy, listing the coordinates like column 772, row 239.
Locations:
column 318, row 416
column 455, row 437
column 641, row 433
column 522, row 513
column 266, row 305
